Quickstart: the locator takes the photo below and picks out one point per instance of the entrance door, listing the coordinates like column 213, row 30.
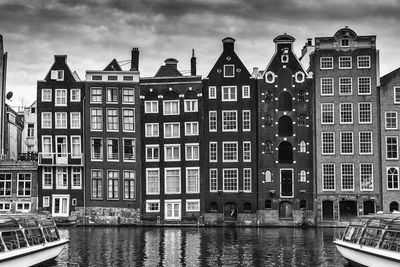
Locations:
column 287, row 183
column 285, row 209
column 172, row 210
column 230, row 212
column 369, row 207
column 347, row 210
column 327, row 210
column 61, row 157
column 60, row 206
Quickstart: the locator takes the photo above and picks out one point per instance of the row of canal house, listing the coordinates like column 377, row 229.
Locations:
column 298, row 141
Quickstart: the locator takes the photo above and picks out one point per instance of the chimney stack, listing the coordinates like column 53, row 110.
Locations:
column 193, row 64
column 171, row 62
column 309, row 41
column 135, row 59
column 229, row 44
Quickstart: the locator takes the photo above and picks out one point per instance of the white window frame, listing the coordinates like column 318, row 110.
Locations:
column 172, row 130
column 149, row 106
column 212, row 92
column 58, row 186
column 192, row 201
column 213, row 179
column 323, row 177
column 152, row 201
column 92, row 158
column 237, row 179
column 370, row 85
column 197, row 191
column 97, row 95
column 101, row 119
column 246, row 88
column 359, row 60
column 224, row 153
column 124, row 123
column 46, row 199
column 44, row 186
column 173, row 147
column 63, row 122
column 341, row 143
column 396, row 89
column 23, row 209
column 371, row 143
column 372, row 177
column 42, row 115
column 247, row 179
column 76, row 137
column 230, row 88
column 322, row 143
column 191, row 105
column 48, row 154
column 244, row 114
column 72, row 114
column 326, row 59
column 224, row 129
column 152, row 148
column 57, row 75
column 124, row 90
column 213, row 152
column 341, row 79
column 332, row 105
column 214, row 122
column 133, row 152
column 387, row 178
column 233, row 70
column 351, row 111
column 345, row 59
column 152, row 126
column 72, row 178
column 46, row 95
column 56, row 98
column 191, row 156
column 397, row 147
column 78, row 95
column 386, row 119
column 359, row 113
column 165, row 102
column 190, row 127
column 166, row 184
column 147, row 181
column 245, row 158
column 324, row 84
column 341, row 177
column 114, row 124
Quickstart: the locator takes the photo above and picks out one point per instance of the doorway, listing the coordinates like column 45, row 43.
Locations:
column 347, row 210
column 327, row 210
column 230, row 212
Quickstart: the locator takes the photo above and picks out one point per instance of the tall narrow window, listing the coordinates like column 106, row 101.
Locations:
column 246, row 151
column 328, row 143
column 128, row 96
column 24, row 184
column 113, row 185
column 213, row 180
column 365, row 142
column 212, row 120
column 245, row 91
column 128, row 120
column 230, row 180
column 97, row 184
column 61, row 178
column 152, row 181
column 47, row 146
column 346, row 113
column 346, row 143
column 5, row 184
column 347, row 176
column 75, row 120
column 247, row 180
column 61, row 97
column 393, row 178
column 97, row 148
column 391, row 120
column 76, row 174
column 193, row 180
column 46, row 120
column 96, row 119
column 212, row 92
column 129, row 149
column 129, row 185
column 112, row 149
column 326, row 86
column 112, row 120
column 76, row 147
column 47, row 182
column 172, row 181
column 213, row 152
column 112, row 95
column 392, row 147
column 365, row 112
column 366, row 177
column 229, row 121
column 246, row 120
column 328, row 176
column 345, row 86
column 364, row 85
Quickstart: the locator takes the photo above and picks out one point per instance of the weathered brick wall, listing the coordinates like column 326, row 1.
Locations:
column 106, row 216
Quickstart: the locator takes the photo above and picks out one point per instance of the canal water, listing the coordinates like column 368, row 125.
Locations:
column 187, row 246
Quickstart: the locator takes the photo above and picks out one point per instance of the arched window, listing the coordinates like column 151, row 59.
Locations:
column 393, row 178
column 268, row 204
column 270, row 77
column 268, row 147
column 302, row 95
column 302, row 120
column 268, row 176
column 269, row 96
column 303, row 147
column 303, row 204
column 394, row 206
column 269, row 120
column 285, row 126
column 285, row 154
column 213, row 206
column 303, row 176
column 247, row 206
column 285, row 101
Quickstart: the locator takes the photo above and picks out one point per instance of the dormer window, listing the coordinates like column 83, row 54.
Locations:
column 57, row 75
column 285, row 56
column 229, row 71
column 345, row 42
column 270, row 77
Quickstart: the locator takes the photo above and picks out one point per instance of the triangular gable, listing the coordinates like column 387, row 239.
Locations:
column 60, row 63
column 113, row 66
column 222, row 60
column 386, row 78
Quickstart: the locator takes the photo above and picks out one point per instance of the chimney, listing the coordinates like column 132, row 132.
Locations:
column 135, row 59
column 229, row 44
column 193, row 64
column 171, row 62
column 60, row 58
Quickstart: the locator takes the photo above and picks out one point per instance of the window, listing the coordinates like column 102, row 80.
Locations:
column 57, row 75
column 270, row 77
column 152, row 153
column 302, row 120
column 171, row 107
column 129, row 149
column 246, row 91
column 363, row 62
column 247, row 180
column 230, row 151
column 229, row 93
column 213, row 180
column 347, row 176
column 191, row 128
column 47, row 146
column 247, row 151
column 61, row 97
column 112, row 120
column 76, row 147
column 128, row 120
column 229, row 71
column 96, row 119
column 246, row 120
column 112, row 95
column 392, row 178
column 365, row 142
column 47, row 182
column 299, row 77
column 364, row 85
column 268, row 176
column 23, row 207
column 46, row 95
column 33, row 110
column 391, row 147
column 230, row 178
column 46, row 120
column 46, row 202
column 345, row 62
column 269, row 147
column 396, row 95
column 328, row 176
column 96, row 95
column 75, row 95
column 365, row 113
column 172, row 130
column 24, row 184
column 152, row 205
column 326, row 86
column 113, row 185
column 112, row 150
column 151, row 106
column 96, row 145
column 346, row 143
column 346, row 113
column 129, row 185
column 112, row 77
column 75, row 120
column 76, row 174
column 327, row 113
column 302, row 95
column 229, row 121
column 212, row 121
column 193, row 180
column 212, row 92
column 328, row 143
column 391, row 120
column 152, row 181
column 213, row 152
column 61, row 120
column 366, row 177
column 326, row 63
column 61, row 178
column 192, row 151
column 5, row 184
column 345, row 42
column 128, row 96
column 303, row 176
column 192, row 205
column 303, row 147
column 172, row 180
column 97, row 184
column 191, row 105
column 151, row 129
column 172, row 152
column 345, row 86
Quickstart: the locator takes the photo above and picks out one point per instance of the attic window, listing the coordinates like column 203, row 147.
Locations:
column 285, row 56
column 299, row 77
column 229, row 71
column 270, row 77
column 345, row 42
column 112, row 78
column 97, row 78
column 57, row 75
column 128, row 78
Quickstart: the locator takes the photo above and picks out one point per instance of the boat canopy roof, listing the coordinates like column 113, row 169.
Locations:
column 385, row 221
column 16, row 221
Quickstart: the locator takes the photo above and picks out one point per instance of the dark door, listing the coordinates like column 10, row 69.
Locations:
column 287, row 183
column 230, row 212
column 285, row 209
column 327, row 210
column 369, row 207
column 347, row 210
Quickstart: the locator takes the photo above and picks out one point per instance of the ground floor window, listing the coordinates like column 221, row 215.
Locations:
column 60, row 205
column 394, row 206
column 173, row 209
column 153, row 205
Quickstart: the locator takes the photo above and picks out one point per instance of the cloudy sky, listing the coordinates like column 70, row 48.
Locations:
column 93, row 32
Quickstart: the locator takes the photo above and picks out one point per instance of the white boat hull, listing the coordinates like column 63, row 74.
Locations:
column 368, row 256
column 32, row 255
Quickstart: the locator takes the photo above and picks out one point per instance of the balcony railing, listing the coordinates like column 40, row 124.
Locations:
column 60, row 159
column 29, row 156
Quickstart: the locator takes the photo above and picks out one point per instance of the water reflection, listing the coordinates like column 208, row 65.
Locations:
column 147, row 246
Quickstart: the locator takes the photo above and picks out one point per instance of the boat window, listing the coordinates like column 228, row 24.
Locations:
column 371, row 237
column 21, row 239
column 34, row 236
column 2, row 248
column 51, row 234
column 390, row 241
column 353, row 234
column 10, row 240
column 28, row 221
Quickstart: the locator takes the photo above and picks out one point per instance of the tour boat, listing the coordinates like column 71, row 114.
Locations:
column 372, row 240
column 27, row 240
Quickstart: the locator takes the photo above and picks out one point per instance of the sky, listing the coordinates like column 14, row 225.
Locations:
column 93, row 32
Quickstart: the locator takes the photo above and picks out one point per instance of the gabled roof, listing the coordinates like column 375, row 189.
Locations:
column 113, row 66
column 386, row 78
